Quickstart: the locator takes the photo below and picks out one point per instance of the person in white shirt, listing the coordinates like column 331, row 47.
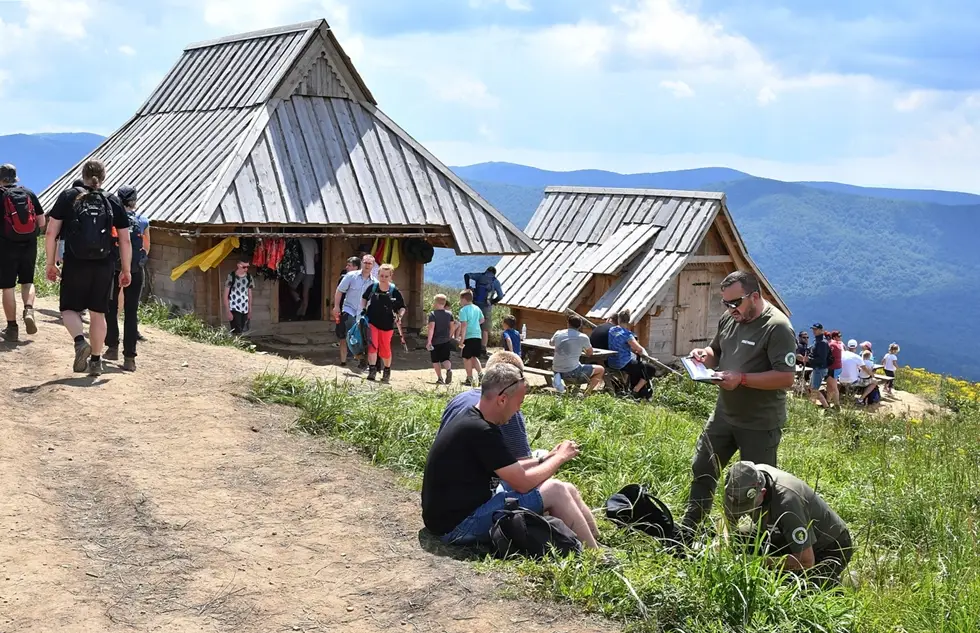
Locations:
column 890, row 361
column 304, row 280
column 866, row 371
column 850, row 364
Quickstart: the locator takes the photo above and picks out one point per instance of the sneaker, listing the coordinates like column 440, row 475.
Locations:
column 111, row 353
column 140, row 338
column 386, row 375
column 440, row 381
column 10, row 334
column 29, row 321
column 468, row 383
column 82, row 352
column 129, row 364
column 480, row 377
column 95, row 367
column 449, row 376
column 372, row 374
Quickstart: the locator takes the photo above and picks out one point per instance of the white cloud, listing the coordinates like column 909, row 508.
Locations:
column 456, row 87
column 127, row 50
column 678, row 88
column 585, row 44
column 912, row 101
column 513, row 5
column 765, row 96
column 65, row 18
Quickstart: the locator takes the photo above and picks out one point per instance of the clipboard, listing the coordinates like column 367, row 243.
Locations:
column 698, row 372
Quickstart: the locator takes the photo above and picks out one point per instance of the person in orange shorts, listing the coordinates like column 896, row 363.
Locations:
column 384, row 306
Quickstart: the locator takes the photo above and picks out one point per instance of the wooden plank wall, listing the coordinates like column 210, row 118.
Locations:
column 661, row 324
column 167, row 251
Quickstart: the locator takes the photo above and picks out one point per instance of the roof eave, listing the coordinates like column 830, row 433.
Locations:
column 616, row 191
column 251, row 35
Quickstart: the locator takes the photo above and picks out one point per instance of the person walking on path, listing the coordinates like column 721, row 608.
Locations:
column 441, row 333
column 487, row 292
column 754, row 350
column 21, row 221
column 820, row 361
column 384, row 305
column 84, row 217
column 239, row 288
column 139, row 236
column 347, row 300
column 890, row 362
column 804, row 534
column 470, row 320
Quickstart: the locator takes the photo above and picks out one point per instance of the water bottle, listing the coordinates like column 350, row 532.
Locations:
column 523, row 331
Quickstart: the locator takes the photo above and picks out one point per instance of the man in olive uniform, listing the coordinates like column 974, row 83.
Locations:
column 801, row 527
column 754, row 350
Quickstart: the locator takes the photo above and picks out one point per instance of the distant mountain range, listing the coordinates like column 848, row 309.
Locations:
column 879, row 264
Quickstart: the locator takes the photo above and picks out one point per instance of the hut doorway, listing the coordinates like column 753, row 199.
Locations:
column 308, row 290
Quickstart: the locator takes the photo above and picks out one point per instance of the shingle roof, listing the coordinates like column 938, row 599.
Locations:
column 277, row 127
column 643, row 235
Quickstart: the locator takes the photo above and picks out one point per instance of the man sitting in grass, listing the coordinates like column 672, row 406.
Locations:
column 802, row 529
column 457, row 500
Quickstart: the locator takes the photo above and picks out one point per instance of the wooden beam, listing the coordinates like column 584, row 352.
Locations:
column 711, row 259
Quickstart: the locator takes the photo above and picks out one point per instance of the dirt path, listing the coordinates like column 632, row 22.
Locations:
column 162, row 501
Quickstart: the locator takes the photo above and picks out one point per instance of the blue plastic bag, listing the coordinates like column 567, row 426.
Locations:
column 358, row 336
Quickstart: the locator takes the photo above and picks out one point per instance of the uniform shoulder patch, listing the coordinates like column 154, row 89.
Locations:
column 790, row 359
column 799, row 535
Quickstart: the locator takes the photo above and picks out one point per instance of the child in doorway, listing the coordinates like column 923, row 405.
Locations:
column 890, row 361
column 470, row 336
column 511, row 337
column 442, row 328
column 238, row 298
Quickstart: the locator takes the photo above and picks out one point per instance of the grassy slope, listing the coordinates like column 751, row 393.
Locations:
column 907, row 488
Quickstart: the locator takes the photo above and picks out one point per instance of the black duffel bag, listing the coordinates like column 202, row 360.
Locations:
column 519, row 531
column 634, row 506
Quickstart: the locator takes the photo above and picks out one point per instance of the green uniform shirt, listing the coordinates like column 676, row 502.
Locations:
column 802, row 517
column 765, row 344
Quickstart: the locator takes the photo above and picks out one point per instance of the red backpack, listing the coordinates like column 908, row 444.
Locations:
column 19, row 219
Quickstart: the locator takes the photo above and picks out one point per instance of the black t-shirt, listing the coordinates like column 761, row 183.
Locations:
column 600, row 336
column 64, row 210
column 382, row 305
column 459, row 469
column 37, row 206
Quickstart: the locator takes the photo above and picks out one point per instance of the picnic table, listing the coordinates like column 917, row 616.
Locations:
column 539, row 352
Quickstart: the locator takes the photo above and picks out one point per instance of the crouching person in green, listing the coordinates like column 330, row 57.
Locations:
column 458, row 500
column 804, row 534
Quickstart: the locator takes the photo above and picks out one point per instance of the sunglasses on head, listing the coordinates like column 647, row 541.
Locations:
column 734, row 303
column 513, row 384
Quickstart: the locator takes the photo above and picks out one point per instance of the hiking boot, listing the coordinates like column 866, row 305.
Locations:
column 140, row 338
column 361, row 364
column 82, row 352
column 95, row 367
column 372, row 374
column 10, row 334
column 449, row 376
column 129, row 364
column 468, row 383
column 386, row 375
column 439, row 381
column 29, row 321
column 111, row 353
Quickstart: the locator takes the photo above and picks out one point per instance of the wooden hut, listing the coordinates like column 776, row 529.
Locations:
column 661, row 254
column 273, row 135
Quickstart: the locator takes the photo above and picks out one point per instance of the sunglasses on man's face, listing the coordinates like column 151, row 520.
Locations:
column 734, row 303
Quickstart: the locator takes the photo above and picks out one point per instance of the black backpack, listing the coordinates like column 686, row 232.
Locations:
column 19, row 219
column 635, row 507
column 89, row 234
column 517, row 530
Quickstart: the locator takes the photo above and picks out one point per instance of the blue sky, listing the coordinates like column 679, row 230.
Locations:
column 880, row 93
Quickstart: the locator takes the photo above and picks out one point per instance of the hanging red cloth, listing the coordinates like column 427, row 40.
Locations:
column 258, row 258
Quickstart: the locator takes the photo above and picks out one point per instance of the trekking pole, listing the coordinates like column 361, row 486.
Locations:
column 584, row 320
column 401, row 335
column 657, row 362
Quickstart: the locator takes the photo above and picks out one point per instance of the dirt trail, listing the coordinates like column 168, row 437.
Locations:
column 162, row 501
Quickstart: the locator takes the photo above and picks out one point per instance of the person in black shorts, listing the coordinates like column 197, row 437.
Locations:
column 21, row 221
column 442, row 328
column 84, row 217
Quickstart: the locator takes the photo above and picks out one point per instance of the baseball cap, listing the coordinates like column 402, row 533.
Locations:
column 127, row 194
column 816, row 326
column 743, row 485
column 852, row 343
column 8, row 172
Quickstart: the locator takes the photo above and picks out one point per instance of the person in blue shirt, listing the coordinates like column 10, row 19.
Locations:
column 487, row 293
column 629, row 357
column 511, row 337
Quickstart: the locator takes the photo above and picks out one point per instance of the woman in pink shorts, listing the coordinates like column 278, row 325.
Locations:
column 384, row 305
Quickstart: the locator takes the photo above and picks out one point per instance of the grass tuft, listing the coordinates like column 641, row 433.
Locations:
column 906, row 487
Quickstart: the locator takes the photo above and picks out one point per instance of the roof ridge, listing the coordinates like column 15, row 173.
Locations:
column 624, row 191
column 251, row 35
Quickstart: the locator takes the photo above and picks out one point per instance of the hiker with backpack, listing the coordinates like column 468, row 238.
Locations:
column 458, row 503
column 22, row 222
column 487, row 292
column 84, row 217
column 384, row 306
column 129, row 296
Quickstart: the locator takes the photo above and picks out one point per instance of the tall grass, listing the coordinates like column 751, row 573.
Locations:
column 908, row 488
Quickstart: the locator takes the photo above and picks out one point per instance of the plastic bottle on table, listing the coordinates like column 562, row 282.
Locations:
column 523, row 331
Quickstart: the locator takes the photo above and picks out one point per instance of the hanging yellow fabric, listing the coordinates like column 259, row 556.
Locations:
column 395, row 257
column 387, row 255
column 208, row 259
